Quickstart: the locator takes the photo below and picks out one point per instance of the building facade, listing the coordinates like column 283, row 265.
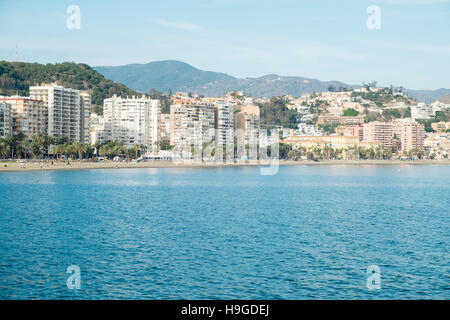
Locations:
column 63, row 109
column 28, row 116
column 378, row 131
column 192, row 124
column 224, row 119
column 410, row 133
column 5, row 119
column 164, row 126
column 85, row 116
column 132, row 121
column 422, row 111
column 97, row 129
column 440, row 126
column 334, row 142
column 248, row 120
column 355, row 131
column 334, row 120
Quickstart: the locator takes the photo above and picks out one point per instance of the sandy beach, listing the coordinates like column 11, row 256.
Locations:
column 13, row 166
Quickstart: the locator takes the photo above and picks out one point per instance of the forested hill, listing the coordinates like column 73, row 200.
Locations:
column 17, row 77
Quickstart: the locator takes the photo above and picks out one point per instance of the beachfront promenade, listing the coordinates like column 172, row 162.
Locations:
column 79, row 165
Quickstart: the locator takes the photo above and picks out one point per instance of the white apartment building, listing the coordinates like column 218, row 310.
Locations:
column 422, row 111
column 224, row 124
column 192, row 124
column 85, row 116
column 63, row 109
column 5, row 119
column 308, row 130
column 97, row 129
column 132, row 121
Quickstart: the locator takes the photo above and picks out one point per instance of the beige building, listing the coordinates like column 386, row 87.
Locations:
column 438, row 145
column 410, row 134
column 85, row 116
column 5, row 119
column 335, row 142
column 440, row 126
column 164, row 126
column 63, row 109
column 248, row 120
column 28, row 116
column 354, row 131
column 378, row 131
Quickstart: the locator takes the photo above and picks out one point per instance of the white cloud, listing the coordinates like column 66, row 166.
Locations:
column 178, row 25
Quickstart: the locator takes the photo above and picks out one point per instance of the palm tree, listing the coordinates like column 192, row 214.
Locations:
column 19, row 143
column 11, row 141
column 4, row 148
column 136, row 150
column 80, row 148
column 26, row 148
column 41, row 141
column 59, row 150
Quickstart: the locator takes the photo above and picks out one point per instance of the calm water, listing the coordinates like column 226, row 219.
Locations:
column 309, row 232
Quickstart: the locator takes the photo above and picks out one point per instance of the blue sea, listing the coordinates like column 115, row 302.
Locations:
column 308, row 232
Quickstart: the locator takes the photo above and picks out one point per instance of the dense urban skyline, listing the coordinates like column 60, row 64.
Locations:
column 320, row 39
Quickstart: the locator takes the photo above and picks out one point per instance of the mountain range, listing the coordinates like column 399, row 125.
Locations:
column 180, row 76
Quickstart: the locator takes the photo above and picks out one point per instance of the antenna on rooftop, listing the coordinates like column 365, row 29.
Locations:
column 17, row 63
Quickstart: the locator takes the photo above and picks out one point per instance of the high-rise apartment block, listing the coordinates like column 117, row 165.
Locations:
column 410, row 134
column 63, row 108
column 28, row 116
column 224, row 124
column 132, row 121
column 5, row 119
column 379, row 132
column 192, row 124
column 248, row 120
column 97, row 129
column 85, row 116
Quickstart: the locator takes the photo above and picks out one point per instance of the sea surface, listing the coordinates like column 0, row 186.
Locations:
column 308, row 232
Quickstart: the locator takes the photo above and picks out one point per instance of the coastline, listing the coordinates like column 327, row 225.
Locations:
column 78, row 165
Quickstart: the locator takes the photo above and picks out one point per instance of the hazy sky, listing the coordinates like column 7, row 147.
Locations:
column 326, row 40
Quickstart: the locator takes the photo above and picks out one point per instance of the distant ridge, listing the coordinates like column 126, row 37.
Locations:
column 163, row 75
column 444, row 99
column 180, row 76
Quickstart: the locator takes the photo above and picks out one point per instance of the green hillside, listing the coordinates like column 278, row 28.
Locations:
column 162, row 76
column 17, row 77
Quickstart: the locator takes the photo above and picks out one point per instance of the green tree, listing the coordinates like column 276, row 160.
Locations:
column 350, row 112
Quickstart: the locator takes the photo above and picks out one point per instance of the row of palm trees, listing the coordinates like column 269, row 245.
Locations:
column 19, row 146
column 42, row 145
column 350, row 153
